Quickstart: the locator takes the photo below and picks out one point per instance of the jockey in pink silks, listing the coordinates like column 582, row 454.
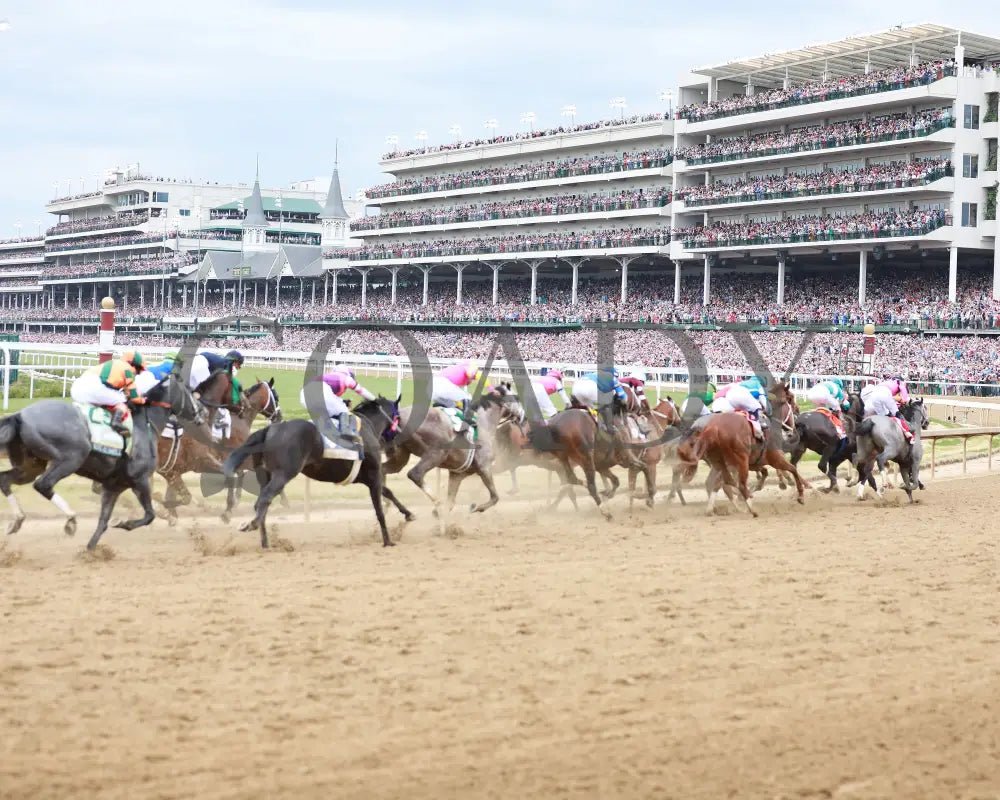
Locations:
column 546, row 385
column 332, row 386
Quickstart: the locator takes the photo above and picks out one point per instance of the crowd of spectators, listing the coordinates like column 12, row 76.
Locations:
column 15, row 256
column 893, row 175
column 871, row 224
column 533, row 134
column 118, row 240
column 536, row 171
column 517, row 209
column 840, row 134
column 98, row 223
column 119, row 267
column 6, row 282
column 882, row 80
column 22, row 239
column 520, row 243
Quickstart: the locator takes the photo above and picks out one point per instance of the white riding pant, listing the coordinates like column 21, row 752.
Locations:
column 585, row 392
column 705, row 410
column 145, row 381
column 544, row 401
column 334, row 405
column 200, row 371
column 721, row 405
column 89, row 388
column 878, row 401
column 740, row 399
column 447, row 394
column 820, row 397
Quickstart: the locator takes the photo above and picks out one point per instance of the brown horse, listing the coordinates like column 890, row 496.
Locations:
column 437, row 445
column 194, row 451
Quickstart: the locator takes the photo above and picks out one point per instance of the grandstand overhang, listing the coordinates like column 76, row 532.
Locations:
column 891, row 48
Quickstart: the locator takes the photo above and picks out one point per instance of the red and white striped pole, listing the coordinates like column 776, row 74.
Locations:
column 868, row 349
column 107, row 335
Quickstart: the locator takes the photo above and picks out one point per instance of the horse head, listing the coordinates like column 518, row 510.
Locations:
column 382, row 414
column 262, row 398
column 916, row 413
column 172, row 394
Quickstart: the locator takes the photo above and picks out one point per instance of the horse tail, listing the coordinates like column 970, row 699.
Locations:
column 253, row 444
column 866, row 427
column 10, row 429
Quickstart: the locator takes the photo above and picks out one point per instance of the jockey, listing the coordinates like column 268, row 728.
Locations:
column 742, row 399
column 636, row 379
column 879, row 402
column 202, row 367
column 587, row 389
column 448, row 388
column 154, row 373
column 548, row 384
column 334, row 384
column 897, row 388
column 829, row 395
column 706, row 400
column 109, row 385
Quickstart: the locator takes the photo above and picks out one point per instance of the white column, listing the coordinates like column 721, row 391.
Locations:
column 677, row 283
column 66, row 296
column 534, row 281
column 256, row 286
column 459, row 268
column 302, row 290
column 781, row 279
column 395, row 274
column 996, row 271
column 863, row 278
column 364, row 288
column 496, row 282
column 326, row 288
column 427, row 277
column 142, row 293
column 706, row 290
column 624, row 265
column 79, row 297
column 267, row 292
column 576, row 280
column 333, row 285
column 953, row 274
column 277, row 290
column 312, row 300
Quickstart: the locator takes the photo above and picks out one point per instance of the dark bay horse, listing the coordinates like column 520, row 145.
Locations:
column 281, row 451
column 817, row 433
column 436, row 445
column 49, row 441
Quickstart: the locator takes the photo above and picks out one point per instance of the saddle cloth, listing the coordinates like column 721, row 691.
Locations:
column 172, row 431
column 750, row 421
column 103, row 438
column 834, row 420
column 332, row 450
column 458, row 423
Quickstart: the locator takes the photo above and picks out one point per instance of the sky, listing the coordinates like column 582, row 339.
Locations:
column 198, row 89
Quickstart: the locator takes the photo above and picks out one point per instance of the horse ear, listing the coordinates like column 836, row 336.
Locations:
column 399, row 397
column 271, row 382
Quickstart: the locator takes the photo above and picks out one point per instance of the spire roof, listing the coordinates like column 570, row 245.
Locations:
column 255, row 208
column 334, row 207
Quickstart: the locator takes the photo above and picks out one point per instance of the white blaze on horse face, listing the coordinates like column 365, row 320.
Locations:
column 62, row 505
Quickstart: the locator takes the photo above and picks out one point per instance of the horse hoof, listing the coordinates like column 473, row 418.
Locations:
column 15, row 525
column 70, row 527
column 800, row 500
column 225, row 517
column 409, row 518
column 246, row 526
column 388, row 544
column 172, row 522
column 649, row 502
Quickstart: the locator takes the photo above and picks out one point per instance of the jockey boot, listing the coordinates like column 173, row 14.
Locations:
column 907, row 433
column 118, row 420
column 758, row 430
column 468, row 416
column 348, row 429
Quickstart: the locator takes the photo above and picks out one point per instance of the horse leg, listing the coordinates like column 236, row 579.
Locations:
column 45, row 485
column 761, row 478
column 590, row 475
column 427, row 462
column 19, row 475
column 743, row 475
column 611, row 479
column 376, row 488
column 108, row 499
column 777, row 460
column 650, row 475
column 387, row 493
column 513, row 480
column 454, row 481
column 486, row 475
column 268, row 491
column 144, row 494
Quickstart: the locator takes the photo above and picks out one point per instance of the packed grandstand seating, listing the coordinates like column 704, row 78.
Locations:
column 894, row 175
column 871, row 224
column 842, row 134
column 535, row 171
column 9, row 282
column 120, row 267
column 518, row 209
column 882, row 80
column 118, row 240
column 20, row 255
column 98, row 223
column 21, row 239
column 615, row 237
column 533, row 134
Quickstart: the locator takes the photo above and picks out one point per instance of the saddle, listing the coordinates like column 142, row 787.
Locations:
column 838, row 425
column 458, row 424
column 756, row 428
column 103, row 438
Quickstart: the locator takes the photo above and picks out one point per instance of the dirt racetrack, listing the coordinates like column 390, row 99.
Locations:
column 836, row 650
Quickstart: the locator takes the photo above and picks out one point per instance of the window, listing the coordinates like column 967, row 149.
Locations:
column 970, row 214
column 184, row 212
column 970, row 166
column 971, row 117
column 163, row 197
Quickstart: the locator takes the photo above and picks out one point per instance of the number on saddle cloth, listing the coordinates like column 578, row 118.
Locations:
column 103, row 438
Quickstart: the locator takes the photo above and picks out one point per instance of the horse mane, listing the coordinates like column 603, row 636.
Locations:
column 371, row 405
column 489, row 400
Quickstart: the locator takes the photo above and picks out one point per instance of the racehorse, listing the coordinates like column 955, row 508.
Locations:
column 281, row 451
column 50, row 440
column 261, row 398
column 880, row 439
column 433, row 443
column 817, row 433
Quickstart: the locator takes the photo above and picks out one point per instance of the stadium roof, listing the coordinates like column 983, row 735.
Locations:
column 848, row 56
column 290, row 205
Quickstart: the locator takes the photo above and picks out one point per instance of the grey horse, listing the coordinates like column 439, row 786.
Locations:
column 49, row 441
column 880, row 439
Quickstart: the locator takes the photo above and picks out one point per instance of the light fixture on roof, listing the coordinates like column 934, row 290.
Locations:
column 491, row 125
column 528, row 118
column 392, row 142
column 619, row 104
column 456, row 131
column 569, row 111
column 667, row 96
column 421, row 137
